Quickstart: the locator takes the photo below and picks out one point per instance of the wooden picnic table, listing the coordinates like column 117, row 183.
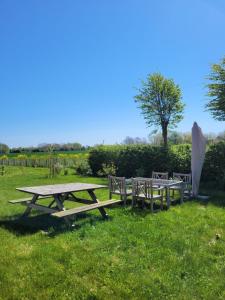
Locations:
column 61, row 193
column 166, row 183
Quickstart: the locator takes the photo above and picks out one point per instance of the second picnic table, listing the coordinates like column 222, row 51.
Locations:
column 165, row 183
column 61, row 193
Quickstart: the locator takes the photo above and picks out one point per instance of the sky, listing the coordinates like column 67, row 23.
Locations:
column 69, row 69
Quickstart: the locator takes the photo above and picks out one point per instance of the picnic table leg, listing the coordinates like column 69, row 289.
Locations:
column 28, row 209
column 168, row 197
column 182, row 193
column 95, row 200
column 64, row 197
column 59, row 202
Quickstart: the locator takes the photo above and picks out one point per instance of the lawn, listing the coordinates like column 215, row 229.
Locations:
column 174, row 254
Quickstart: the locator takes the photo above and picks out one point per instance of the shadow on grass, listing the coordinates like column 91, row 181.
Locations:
column 48, row 225
column 216, row 196
column 138, row 210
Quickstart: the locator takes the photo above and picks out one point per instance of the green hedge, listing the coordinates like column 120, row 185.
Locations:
column 214, row 166
column 141, row 160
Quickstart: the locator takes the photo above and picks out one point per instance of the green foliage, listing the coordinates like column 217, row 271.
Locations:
column 69, row 147
column 103, row 155
column 65, row 172
column 82, row 167
column 181, row 158
column 107, row 169
column 2, row 170
column 134, row 160
column 22, row 157
column 141, row 160
column 160, row 102
column 214, row 166
column 55, row 168
column 3, row 157
column 4, row 149
column 216, row 91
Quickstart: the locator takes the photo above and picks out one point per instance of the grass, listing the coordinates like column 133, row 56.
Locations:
column 174, row 254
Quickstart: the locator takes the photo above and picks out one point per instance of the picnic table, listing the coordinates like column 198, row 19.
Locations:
column 166, row 184
column 61, row 193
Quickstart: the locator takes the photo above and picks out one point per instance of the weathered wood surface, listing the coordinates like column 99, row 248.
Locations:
column 26, row 200
column 47, row 190
column 74, row 211
column 161, row 182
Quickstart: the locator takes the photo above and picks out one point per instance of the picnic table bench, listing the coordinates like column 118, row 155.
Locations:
column 61, row 193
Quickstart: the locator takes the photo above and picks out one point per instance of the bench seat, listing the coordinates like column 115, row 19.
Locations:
column 77, row 210
column 26, row 200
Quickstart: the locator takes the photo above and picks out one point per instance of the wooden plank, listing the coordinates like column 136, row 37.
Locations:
column 19, row 200
column 47, row 190
column 26, row 200
column 28, row 209
column 101, row 209
column 77, row 210
column 42, row 208
column 59, row 202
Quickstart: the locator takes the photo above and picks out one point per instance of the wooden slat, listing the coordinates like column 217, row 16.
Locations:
column 19, row 200
column 26, row 200
column 78, row 210
column 47, row 190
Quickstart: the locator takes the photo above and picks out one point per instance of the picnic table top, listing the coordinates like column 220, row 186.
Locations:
column 47, row 190
column 158, row 181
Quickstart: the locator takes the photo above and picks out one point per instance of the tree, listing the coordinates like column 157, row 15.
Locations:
column 175, row 138
column 4, row 149
column 132, row 141
column 155, row 139
column 216, row 91
column 160, row 101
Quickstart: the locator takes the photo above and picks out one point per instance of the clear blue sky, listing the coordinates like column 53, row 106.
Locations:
column 68, row 69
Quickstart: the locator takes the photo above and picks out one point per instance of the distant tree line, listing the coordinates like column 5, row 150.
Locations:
column 174, row 138
column 4, row 149
column 134, row 141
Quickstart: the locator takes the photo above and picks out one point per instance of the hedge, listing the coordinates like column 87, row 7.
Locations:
column 141, row 160
column 214, row 166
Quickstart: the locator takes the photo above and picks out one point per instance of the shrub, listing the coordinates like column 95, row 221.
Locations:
column 109, row 169
column 140, row 160
column 82, row 167
column 3, row 157
column 214, row 165
column 66, row 172
column 55, row 169
column 22, row 156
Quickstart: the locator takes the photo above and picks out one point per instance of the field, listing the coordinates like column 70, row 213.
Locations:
column 45, row 154
column 174, row 254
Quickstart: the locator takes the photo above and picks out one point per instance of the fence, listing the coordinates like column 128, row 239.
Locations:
column 38, row 162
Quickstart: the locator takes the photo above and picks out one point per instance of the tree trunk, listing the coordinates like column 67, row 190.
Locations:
column 164, row 134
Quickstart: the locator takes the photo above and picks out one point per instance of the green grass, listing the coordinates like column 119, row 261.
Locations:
column 174, row 254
